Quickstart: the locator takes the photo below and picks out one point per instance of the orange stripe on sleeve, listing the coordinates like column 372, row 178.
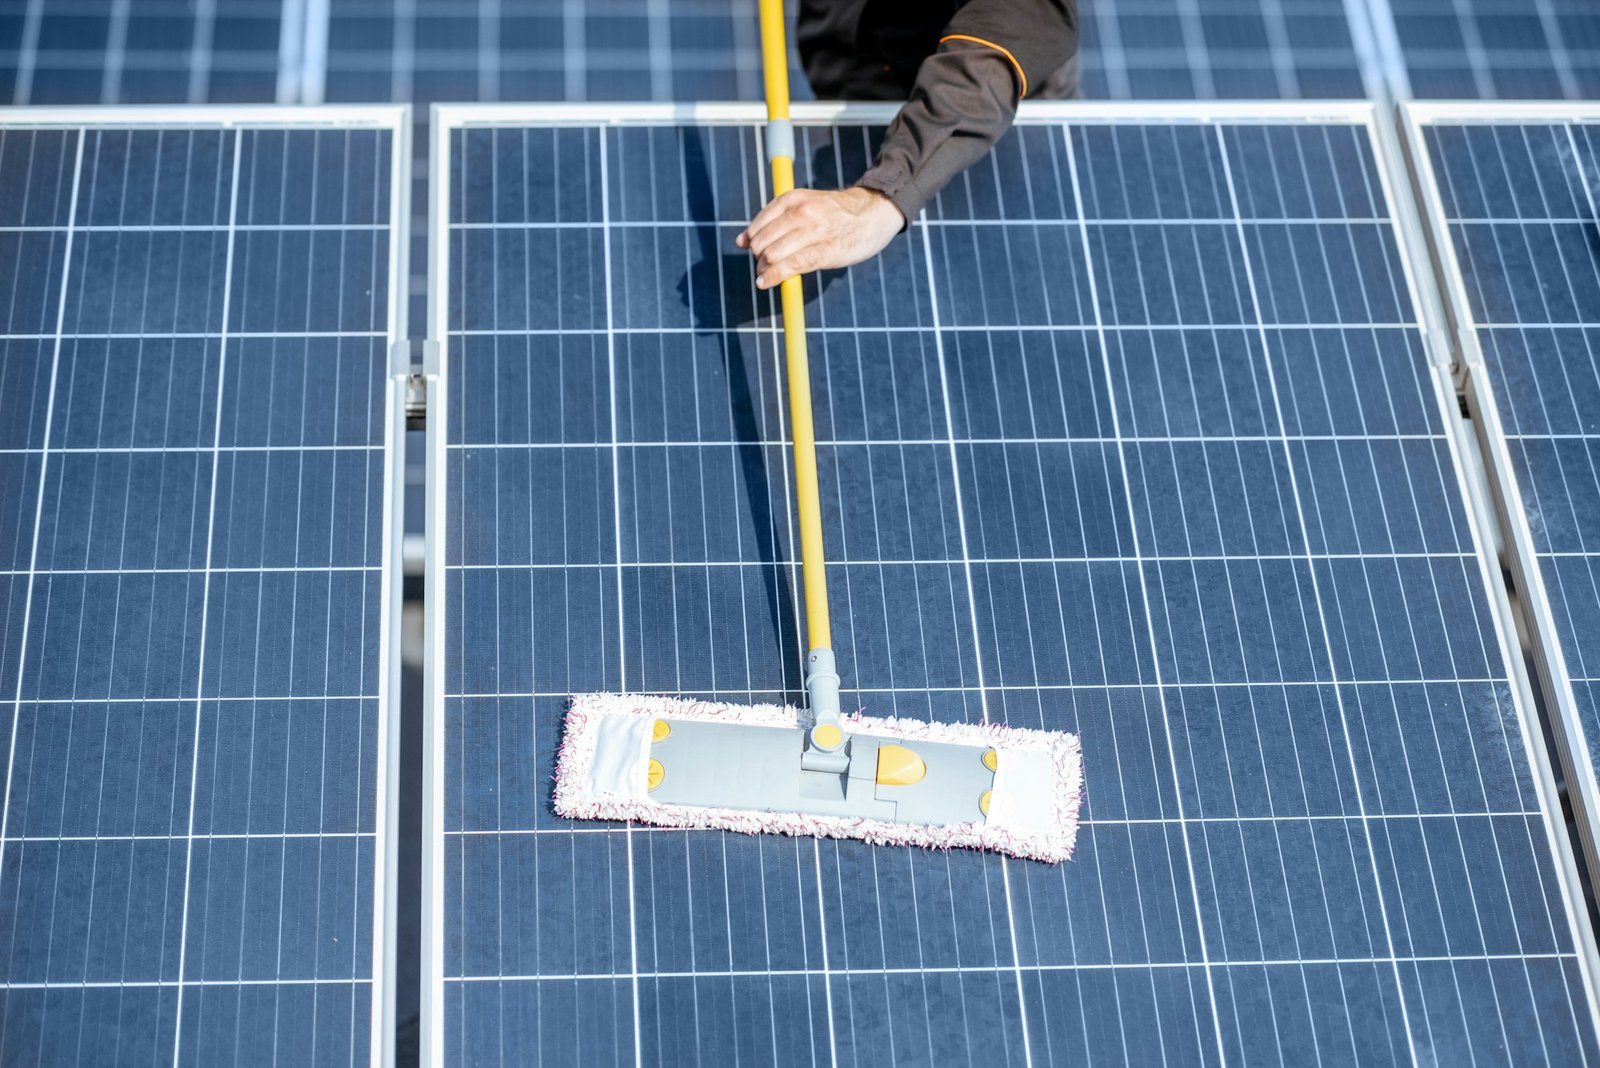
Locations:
column 1021, row 76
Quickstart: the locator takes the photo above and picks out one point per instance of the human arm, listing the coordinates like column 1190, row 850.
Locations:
column 992, row 53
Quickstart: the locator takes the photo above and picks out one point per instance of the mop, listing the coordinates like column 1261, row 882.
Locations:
column 765, row 769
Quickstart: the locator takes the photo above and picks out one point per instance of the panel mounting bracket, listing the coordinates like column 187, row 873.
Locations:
column 410, row 360
column 416, row 401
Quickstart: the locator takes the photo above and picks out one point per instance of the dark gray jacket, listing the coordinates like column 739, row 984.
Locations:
column 960, row 67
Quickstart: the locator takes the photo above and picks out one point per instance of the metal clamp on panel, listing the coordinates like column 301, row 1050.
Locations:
column 416, row 400
column 430, row 356
column 1443, row 348
column 400, row 357
column 780, row 139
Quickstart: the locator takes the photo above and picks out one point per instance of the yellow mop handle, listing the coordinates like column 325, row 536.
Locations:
column 775, row 62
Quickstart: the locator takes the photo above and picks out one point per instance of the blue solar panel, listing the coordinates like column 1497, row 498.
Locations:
column 1499, row 49
column 1219, row 49
column 461, row 50
column 443, row 50
column 1517, row 196
column 193, row 480
column 1133, row 436
column 106, row 51
column 152, row 51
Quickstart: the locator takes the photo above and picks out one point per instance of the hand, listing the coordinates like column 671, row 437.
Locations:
column 817, row 230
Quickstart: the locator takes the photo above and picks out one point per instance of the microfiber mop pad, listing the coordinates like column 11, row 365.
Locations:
column 605, row 770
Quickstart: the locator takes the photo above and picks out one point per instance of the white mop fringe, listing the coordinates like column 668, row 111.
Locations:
column 576, row 797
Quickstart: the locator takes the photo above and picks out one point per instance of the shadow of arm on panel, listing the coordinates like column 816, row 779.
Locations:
column 719, row 287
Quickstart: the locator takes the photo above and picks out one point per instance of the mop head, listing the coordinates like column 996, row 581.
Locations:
column 605, row 771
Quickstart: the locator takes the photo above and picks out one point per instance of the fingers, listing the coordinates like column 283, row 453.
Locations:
column 777, row 209
column 804, row 230
column 788, row 247
column 773, row 277
column 784, row 211
column 800, row 256
column 785, row 229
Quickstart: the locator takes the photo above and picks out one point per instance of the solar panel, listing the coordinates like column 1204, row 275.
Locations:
column 449, row 50
column 460, row 50
column 1516, row 210
column 196, row 481
column 1134, row 435
column 1499, row 49
column 107, row 51
column 150, row 52
column 1220, row 49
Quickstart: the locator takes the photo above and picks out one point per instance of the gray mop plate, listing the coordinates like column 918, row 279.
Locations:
column 756, row 768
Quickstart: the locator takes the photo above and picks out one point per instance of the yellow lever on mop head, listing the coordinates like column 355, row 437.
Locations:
column 764, row 769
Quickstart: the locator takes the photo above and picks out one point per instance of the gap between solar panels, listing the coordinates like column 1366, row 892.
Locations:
column 1509, row 192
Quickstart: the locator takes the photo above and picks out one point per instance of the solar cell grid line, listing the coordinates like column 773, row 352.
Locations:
column 1135, row 434
column 1496, row 49
column 151, row 52
column 1511, row 207
column 194, row 855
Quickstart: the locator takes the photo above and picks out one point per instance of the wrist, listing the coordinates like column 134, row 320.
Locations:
column 879, row 205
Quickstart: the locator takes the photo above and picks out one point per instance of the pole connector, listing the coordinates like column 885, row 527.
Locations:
column 780, row 139
column 825, row 741
column 822, row 686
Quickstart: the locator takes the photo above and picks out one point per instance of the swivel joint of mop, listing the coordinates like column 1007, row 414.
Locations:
column 825, row 742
